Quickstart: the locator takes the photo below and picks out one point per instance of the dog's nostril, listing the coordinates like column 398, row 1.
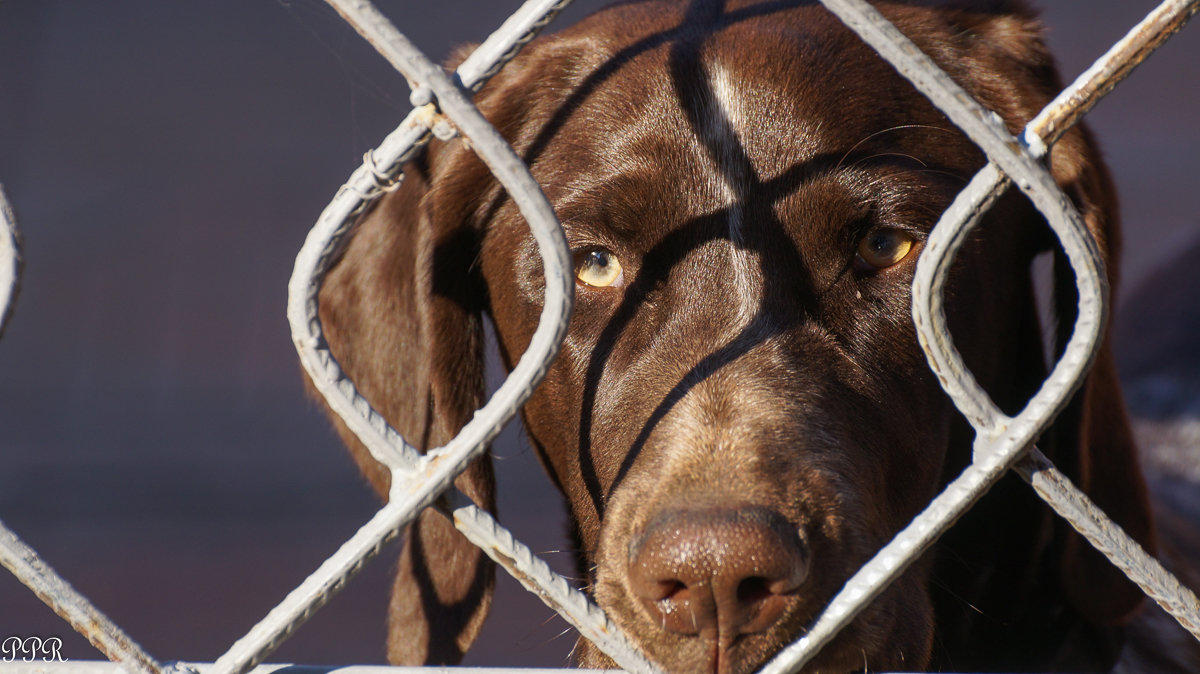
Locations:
column 753, row 589
column 671, row 589
column 734, row 571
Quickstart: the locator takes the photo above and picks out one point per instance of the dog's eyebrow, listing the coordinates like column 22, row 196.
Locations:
column 890, row 129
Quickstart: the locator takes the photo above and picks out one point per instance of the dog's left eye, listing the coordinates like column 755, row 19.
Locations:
column 599, row 268
column 883, row 247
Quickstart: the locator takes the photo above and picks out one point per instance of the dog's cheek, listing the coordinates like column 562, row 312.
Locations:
column 610, row 557
column 587, row 656
column 893, row 633
column 911, row 644
column 612, row 591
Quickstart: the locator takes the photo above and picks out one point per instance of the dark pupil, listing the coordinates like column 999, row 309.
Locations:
column 881, row 244
column 598, row 259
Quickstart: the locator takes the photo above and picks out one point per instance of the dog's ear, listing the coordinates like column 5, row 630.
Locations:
column 402, row 314
column 1091, row 441
column 1093, row 438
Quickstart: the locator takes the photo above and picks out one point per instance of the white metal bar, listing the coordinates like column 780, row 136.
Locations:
column 1045, row 129
column 504, row 44
column 1110, row 69
column 1107, row 536
column 54, row 591
column 101, row 667
column 1073, row 102
column 418, row 480
column 10, row 260
column 317, row 589
column 381, row 170
column 485, row 61
column 311, row 264
column 535, row 575
column 933, row 266
column 320, row 248
column 1000, row 440
column 988, row 131
column 22, row 560
column 512, row 173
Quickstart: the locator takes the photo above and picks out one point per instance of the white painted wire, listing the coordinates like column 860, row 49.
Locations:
column 477, row 525
column 1050, row 485
column 55, row 592
column 10, row 260
column 1000, row 440
column 15, row 555
column 1089, row 520
column 417, row 480
column 381, row 170
column 525, row 192
column 987, row 130
column 94, row 667
column 557, row 592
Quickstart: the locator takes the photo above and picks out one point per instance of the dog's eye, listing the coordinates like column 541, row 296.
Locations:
column 883, row 247
column 599, row 268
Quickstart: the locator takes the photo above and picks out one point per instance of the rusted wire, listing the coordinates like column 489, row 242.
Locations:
column 56, row 593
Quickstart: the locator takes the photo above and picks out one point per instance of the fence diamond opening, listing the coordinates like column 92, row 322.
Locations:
column 443, row 108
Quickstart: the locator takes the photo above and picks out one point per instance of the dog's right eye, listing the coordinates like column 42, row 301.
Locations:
column 883, row 247
column 599, row 268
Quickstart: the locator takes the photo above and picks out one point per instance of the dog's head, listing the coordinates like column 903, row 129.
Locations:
column 741, row 414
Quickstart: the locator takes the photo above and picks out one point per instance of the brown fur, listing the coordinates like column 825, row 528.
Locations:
column 748, row 376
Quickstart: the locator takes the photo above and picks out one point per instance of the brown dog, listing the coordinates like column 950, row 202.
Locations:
column 741, row 415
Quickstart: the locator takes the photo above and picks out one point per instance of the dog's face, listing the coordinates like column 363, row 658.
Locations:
column 742, row 378
column 741, row 415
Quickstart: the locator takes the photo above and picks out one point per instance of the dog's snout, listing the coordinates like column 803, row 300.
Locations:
column 717, row 572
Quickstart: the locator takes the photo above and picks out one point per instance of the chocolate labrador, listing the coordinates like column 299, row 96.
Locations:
column 741, row 415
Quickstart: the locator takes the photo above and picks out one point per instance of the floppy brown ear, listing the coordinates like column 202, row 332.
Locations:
column 1091, row 441
column 1095, row 431
column 402, row 313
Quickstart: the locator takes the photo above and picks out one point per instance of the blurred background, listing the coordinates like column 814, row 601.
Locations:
column 166, row 160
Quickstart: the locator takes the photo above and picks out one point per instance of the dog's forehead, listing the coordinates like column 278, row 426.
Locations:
column 694, row 100
column 796, row 76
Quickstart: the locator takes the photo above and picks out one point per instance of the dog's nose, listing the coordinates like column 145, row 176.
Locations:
column 717, row 571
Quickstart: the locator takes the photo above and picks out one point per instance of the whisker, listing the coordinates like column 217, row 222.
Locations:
column 888, row 130
column 888, row 154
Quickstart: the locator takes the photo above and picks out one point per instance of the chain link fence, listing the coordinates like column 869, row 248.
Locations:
column 419, row 481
